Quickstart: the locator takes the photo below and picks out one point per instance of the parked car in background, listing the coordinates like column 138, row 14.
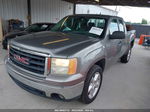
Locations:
column 68, row 61
column 37, row 27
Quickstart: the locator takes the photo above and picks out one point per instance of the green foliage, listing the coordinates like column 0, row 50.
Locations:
column 144, row 21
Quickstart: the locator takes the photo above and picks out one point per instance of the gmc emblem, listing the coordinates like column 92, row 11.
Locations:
column 21, row 59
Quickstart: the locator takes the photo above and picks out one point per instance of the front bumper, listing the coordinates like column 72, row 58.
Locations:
column 43, row 86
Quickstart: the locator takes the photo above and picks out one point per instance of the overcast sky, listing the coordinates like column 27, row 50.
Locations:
column 132, row 14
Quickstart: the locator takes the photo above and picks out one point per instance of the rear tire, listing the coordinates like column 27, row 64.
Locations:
column 125, row 58
column 92, row 84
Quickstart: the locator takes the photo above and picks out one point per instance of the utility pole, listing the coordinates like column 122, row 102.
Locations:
column 74, row 8
column 29, row 12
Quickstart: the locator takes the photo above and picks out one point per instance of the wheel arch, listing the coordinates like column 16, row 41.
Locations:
column 132, row 44
column 101, row 63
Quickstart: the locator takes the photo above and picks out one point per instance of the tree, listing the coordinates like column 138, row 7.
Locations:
column 144, row 21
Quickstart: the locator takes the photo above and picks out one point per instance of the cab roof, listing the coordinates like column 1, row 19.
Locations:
column 96, row 15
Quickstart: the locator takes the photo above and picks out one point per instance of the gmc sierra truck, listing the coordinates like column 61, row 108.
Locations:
column 68, row 61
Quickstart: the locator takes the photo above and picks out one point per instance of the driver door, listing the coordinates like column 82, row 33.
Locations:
column 113, row 45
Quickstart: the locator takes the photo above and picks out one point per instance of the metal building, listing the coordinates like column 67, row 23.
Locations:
column 50, row 10
column 13, row 9
column 44, row 10
column 141, row 29
column 94, row 9
column 41, row 10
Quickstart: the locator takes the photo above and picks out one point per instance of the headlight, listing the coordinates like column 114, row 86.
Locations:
column 63, row 66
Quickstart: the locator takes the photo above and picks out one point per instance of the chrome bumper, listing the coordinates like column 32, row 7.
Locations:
column 49, row 87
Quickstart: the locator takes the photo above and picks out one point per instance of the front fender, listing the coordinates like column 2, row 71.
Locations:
column 91, row 58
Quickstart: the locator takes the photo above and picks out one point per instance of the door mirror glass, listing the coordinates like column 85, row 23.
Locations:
column 117, row 35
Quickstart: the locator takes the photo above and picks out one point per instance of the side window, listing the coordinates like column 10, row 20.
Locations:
column 99, row 23
column 113, row 26
column 121, row 26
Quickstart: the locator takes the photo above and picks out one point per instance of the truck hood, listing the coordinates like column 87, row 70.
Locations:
column 55, row 43
column 14, row 34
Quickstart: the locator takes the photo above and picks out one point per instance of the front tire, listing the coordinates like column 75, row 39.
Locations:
column 92, row 84
column 125, row 58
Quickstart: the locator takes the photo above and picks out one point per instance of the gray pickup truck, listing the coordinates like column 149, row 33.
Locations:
column 68, row 61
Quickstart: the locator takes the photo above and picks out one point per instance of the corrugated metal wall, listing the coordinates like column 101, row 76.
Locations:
column 141, row 29
column 94, row 9
column 50, row 10
column 41, row 10
column 13, row 9
column 45, row 10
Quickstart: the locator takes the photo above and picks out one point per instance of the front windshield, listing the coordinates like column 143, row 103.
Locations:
column 92, row 26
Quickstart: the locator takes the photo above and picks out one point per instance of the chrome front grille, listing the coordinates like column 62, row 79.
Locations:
column 28, row 60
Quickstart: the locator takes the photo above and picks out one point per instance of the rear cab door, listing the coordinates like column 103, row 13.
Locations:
column 123, row 43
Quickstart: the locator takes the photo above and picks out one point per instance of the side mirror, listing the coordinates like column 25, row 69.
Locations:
column 117, row 35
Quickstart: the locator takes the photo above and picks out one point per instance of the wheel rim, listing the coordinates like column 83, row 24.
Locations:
column 94, row 85
column 129, row 55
